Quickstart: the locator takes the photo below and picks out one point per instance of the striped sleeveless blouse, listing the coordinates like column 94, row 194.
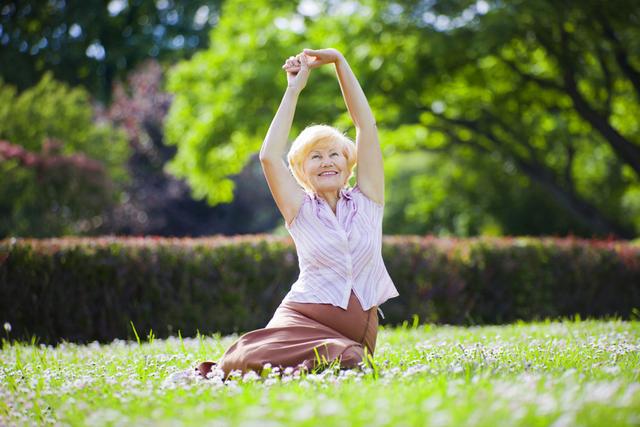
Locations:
column 340, row 252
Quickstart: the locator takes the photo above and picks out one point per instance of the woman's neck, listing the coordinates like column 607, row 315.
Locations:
column 331, row 197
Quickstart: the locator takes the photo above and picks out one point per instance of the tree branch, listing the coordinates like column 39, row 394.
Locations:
column 622, row 57
column 545, row 178
column 628, row 152
column 568, row 175
column 608, row 81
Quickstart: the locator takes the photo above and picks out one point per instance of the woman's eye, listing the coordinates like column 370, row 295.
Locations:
column 334, row 154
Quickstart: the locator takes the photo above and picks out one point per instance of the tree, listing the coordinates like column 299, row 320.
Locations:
column 541, row 89
column 92, row 42
column 59, row 169
column 541, row 93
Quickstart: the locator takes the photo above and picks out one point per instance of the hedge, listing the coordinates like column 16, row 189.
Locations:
column 85, row 289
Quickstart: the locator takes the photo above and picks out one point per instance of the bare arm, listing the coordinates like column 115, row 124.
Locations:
column 286, row 192
column 370, row 172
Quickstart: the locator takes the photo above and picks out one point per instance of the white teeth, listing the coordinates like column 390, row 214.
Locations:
column 328, row 173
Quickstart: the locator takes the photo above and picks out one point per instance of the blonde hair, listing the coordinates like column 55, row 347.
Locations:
column 316, row 136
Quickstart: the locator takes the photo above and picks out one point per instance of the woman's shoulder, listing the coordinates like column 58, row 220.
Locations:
column 357, row 192
column 307, row 199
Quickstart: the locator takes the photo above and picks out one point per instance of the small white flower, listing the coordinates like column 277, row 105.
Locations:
column 250, row 376
column 216, row 372
column 7, row 327
column 235, row 374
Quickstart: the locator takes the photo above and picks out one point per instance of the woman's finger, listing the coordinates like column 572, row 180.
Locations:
column 291, row 63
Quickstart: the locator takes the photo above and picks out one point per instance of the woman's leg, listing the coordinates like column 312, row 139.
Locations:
column 300, row 333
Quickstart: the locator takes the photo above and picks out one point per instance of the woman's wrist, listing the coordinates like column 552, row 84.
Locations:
column 292, row 91
column 340, row 61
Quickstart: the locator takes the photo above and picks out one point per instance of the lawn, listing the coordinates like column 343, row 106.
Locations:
column 566, row 373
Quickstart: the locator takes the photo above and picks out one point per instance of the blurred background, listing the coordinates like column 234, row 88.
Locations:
column 137, row 117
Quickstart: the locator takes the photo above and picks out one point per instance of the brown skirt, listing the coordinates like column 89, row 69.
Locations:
column 308, row 335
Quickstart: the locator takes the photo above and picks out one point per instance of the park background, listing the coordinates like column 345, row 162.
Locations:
column 145, row 117
column 138, row 236
column 509, row 131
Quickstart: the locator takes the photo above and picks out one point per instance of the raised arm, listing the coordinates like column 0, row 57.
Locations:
column 370, row 172
column 286, row 192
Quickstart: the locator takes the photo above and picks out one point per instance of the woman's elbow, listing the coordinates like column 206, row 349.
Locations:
column 268, row 159
column 263, row 157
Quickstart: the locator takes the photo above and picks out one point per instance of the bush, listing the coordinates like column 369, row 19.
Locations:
column 83, row 289
column 60, row 170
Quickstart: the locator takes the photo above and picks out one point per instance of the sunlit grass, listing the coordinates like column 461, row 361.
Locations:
column 552, row 373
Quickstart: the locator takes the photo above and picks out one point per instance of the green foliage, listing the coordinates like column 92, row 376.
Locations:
column 482, row 90
column 468, row 196
column 220, row 109
column 225, row 97
column 97, row 289
column 92, row 44
column 79, row 164
column 52, row 109
column 501, row 88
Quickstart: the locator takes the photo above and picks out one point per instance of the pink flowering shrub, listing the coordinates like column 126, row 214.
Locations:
column 50, row 193
column 60, row 169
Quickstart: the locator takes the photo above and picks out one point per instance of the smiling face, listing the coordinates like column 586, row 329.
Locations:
column 318, row 149
column 325, row 167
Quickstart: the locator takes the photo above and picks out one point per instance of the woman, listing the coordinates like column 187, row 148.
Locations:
column 330, row 313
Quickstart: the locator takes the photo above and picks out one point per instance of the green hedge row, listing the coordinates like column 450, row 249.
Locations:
column 91, row 289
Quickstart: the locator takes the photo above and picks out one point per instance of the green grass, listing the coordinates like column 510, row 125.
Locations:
column 529, row 374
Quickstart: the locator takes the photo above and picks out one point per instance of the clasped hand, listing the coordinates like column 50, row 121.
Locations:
column 299, row 66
